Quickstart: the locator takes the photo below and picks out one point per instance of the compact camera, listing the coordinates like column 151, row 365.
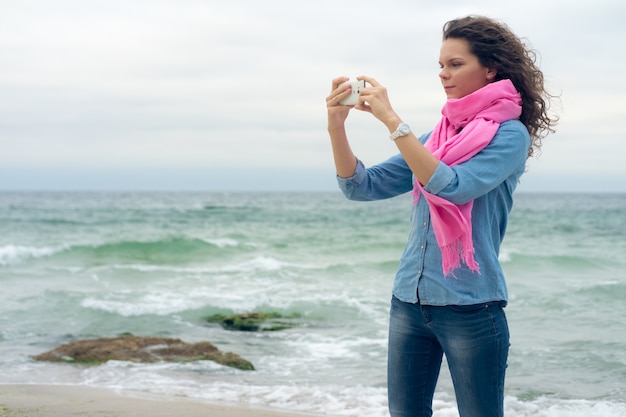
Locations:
column 353, row 98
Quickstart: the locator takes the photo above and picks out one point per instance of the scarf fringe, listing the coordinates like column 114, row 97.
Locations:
column 453, row 253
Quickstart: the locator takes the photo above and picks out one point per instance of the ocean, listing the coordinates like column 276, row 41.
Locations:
column 82, row 265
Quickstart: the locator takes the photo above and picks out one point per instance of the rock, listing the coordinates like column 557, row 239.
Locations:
column 141, row 349
column 253, row 322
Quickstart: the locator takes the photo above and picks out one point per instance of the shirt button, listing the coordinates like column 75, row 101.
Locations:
column 425, row 224
column 422, row 247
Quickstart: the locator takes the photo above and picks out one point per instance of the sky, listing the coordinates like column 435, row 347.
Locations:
column 230, row 95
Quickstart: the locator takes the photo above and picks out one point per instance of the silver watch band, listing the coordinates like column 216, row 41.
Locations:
column 403, row 129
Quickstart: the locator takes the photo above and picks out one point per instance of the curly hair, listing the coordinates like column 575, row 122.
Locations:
column 496, row 46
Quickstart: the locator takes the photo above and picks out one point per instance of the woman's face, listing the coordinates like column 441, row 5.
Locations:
column 461, row 71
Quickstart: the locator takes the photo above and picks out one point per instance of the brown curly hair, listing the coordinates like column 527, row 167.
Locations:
column 496, row 46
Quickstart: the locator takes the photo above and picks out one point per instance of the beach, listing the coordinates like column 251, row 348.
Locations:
column 78, row 266
column 67, row 401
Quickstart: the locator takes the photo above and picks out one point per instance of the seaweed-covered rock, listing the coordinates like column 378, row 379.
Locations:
column 254, row 322
column 141, row 349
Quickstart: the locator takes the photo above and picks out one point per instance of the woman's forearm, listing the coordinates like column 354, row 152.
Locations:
column 345, row 160
column 418, row 158
column 421, row 161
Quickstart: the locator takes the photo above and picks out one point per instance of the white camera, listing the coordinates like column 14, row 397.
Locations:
column 353, row 98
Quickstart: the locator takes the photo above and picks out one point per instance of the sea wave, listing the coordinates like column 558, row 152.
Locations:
column 222, row 242
column 172, row 380
column 363, row 401
column 154, row 302
column 12, row 254
column 513, row 258
column 163, row 251
column 215, row 297
column 166, row 248
column 255, row 264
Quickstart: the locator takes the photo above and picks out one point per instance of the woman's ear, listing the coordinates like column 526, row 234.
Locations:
column 491, row 73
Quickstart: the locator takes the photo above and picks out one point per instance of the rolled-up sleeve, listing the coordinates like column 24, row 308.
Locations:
column 440, row 179
column 385, row 180
column 504, row 155
column 349, row 184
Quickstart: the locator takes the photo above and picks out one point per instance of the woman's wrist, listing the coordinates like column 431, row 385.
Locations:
column 392, row 122
column 334, row 128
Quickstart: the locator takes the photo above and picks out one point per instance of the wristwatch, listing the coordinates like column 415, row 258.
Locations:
column 402, row 130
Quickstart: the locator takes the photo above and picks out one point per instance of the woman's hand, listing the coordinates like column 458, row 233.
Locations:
column 345, row 161
column 337, row 113
column 374, row 99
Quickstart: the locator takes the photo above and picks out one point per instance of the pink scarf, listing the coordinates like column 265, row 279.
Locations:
column 479, row 115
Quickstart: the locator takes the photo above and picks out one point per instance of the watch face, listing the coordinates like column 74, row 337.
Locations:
column 405, row 129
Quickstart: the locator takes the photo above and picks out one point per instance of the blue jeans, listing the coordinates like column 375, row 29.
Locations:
column 475, row 340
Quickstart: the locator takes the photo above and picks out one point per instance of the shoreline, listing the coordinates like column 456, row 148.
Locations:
column 84, row 401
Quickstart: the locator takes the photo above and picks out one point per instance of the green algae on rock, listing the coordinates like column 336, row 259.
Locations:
column 254, row 322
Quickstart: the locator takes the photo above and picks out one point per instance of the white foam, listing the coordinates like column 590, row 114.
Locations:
column 504, row 257
column 209, row 381
column 349, row 401
column 222, row 242
column 548, row 407
column 353, row 401
column 259, row 263
column 10, row 254
column 163, row 268
column 160, row 303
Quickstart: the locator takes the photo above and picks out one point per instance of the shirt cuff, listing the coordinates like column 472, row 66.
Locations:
column 440, row 179
column 357, row 177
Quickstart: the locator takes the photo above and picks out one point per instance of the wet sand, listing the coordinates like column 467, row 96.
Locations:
column 69, row 401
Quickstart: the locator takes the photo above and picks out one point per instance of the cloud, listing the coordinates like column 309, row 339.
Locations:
column 191, row 87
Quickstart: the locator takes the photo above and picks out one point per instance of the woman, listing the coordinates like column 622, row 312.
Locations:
column 449, row 291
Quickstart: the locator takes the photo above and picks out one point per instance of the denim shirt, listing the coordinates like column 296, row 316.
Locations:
column 489, row 178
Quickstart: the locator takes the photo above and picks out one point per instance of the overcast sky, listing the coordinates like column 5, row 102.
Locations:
column 229, row 95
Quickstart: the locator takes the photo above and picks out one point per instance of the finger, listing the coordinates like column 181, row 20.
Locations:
column 339, row 94
column 331, row 101
column 335, row 100
column 363, row 107
column 371, row 81
column 338, row 81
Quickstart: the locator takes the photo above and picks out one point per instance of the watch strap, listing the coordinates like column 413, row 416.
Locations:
column 403, row 129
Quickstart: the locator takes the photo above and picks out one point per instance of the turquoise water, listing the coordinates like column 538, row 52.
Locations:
column 84, row 265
